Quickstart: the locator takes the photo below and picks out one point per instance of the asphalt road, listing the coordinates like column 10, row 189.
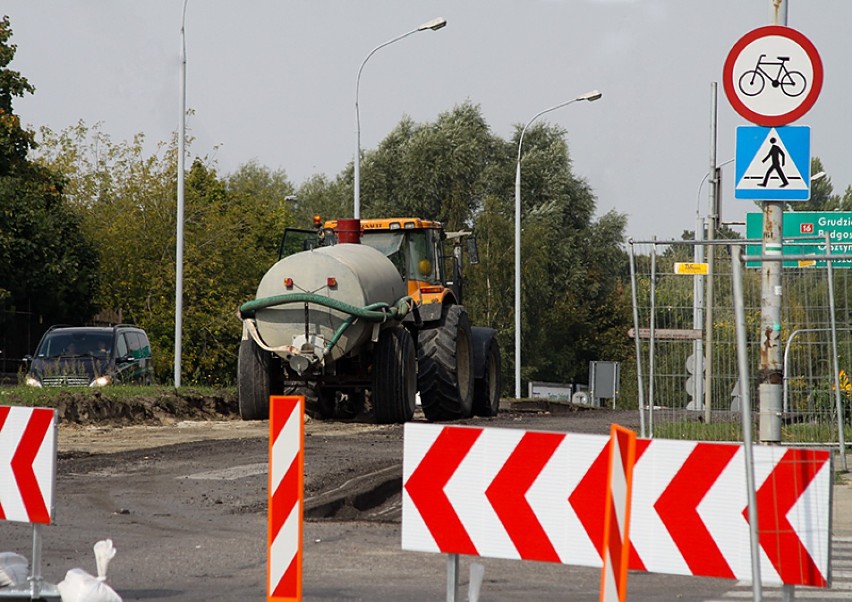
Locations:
column 189, row 518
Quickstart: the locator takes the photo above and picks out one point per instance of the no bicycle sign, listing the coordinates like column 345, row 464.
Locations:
column 773, row 75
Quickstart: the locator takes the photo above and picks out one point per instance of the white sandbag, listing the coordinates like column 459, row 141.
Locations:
column 80, row 586
column 14, row 570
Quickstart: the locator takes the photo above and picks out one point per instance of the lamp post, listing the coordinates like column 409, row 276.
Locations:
column 434, row 25
column 590, row 96
column 180, row 202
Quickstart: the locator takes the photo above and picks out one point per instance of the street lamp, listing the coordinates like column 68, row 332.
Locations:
column 590, row 96
column 434, row 25
column 180, row 202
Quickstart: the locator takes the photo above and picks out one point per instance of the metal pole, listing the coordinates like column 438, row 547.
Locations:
column 36, row 578
column 771, row 367
column 638, row 342
column 745, row 392
column 841, row 436
column 180, row 203
column 698, row 308
column 452, row 577
column 652, row 327
column 711, row 233
column 590, row 96
column 434, row 25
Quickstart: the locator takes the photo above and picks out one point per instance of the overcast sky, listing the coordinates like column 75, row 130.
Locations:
column 274, row 81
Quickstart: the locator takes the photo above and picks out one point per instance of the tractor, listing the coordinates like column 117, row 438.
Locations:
column 368, row 315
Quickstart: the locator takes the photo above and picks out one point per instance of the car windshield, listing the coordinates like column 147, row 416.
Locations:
column 76, row 344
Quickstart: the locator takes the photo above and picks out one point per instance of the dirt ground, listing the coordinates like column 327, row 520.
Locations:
column 102, row 422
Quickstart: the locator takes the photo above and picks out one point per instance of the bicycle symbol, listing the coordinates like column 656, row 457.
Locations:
column 792, row 83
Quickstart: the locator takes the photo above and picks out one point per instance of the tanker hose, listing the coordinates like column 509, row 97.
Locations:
column 375, row 312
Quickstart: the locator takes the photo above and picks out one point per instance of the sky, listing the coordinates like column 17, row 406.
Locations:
column 274, row 81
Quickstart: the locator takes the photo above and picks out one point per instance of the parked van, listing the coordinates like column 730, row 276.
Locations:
column 87, row 356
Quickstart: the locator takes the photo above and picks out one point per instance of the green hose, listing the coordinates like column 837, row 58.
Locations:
column 375, row 312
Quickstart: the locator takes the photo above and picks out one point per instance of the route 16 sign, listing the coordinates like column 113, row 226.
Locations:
column 773, row 75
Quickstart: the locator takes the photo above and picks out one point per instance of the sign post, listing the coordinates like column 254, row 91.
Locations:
column 772, row 76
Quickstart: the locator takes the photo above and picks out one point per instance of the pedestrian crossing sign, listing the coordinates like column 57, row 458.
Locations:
column 773, row 163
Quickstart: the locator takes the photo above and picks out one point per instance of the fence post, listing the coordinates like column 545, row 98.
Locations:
column 641, row 384
column 841, row 423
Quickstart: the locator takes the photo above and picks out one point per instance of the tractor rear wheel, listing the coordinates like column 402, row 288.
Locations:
column 254, row 380
column 486, row 390
column 394, row 376
column 445, row 367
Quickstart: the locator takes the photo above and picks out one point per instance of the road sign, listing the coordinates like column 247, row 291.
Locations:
column 773, row 164
column 27, row 464
column 509, row 493
column 773, row 75
column 816, row 224
column 690, row 269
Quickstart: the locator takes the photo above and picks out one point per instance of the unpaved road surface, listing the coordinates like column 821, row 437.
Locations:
column 185, row 505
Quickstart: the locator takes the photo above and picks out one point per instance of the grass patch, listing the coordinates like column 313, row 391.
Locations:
column 811, row 432
column 23, row 395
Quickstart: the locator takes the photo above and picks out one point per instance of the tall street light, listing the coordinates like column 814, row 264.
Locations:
column 434, row 25
column 180, row 202
column 590, row 96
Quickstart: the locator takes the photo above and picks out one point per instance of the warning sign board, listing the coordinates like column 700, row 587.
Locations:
column 773, row 164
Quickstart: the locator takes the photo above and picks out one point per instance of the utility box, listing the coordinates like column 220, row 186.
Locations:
column 604, row 378
column 551, row 391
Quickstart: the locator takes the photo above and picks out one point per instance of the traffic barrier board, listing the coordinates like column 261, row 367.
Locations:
column 515, row 494
column 286, row 497
column 27, row 464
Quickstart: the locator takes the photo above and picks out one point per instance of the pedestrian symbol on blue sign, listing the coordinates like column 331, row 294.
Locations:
column 773, row 164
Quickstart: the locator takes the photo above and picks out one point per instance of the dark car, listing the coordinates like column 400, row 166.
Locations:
column 88, row 356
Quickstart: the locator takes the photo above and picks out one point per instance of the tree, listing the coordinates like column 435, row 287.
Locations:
column 127, row 203
column 48, row 270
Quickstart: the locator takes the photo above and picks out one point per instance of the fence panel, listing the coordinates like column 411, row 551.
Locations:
column 670, row 306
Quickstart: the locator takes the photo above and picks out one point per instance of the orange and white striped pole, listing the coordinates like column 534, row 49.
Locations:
column 616, row 541
column 286, row 497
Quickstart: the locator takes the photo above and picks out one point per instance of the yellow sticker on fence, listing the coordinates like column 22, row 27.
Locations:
column 807, row 263
column 691, row 269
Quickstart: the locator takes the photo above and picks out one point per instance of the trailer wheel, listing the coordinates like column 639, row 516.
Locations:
column 445, row 367
column 394, row 376
column 254, row 381
column 486, row 390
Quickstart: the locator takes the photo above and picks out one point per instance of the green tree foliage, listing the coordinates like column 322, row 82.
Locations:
column 127, row 201
column 434, row 171
column 48, row 271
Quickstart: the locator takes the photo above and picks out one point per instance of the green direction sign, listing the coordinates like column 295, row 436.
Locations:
column 810, row 228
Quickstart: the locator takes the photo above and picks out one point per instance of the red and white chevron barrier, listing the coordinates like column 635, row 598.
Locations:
column 517, row 494
column 286, row 497
column 27, row 464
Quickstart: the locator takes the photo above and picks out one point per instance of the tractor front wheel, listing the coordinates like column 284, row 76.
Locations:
column 445, row 367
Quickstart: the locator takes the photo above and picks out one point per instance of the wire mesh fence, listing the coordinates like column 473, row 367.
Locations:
column 687, row 376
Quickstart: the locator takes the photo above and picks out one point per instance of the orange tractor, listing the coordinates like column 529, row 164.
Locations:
column 366, row 314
